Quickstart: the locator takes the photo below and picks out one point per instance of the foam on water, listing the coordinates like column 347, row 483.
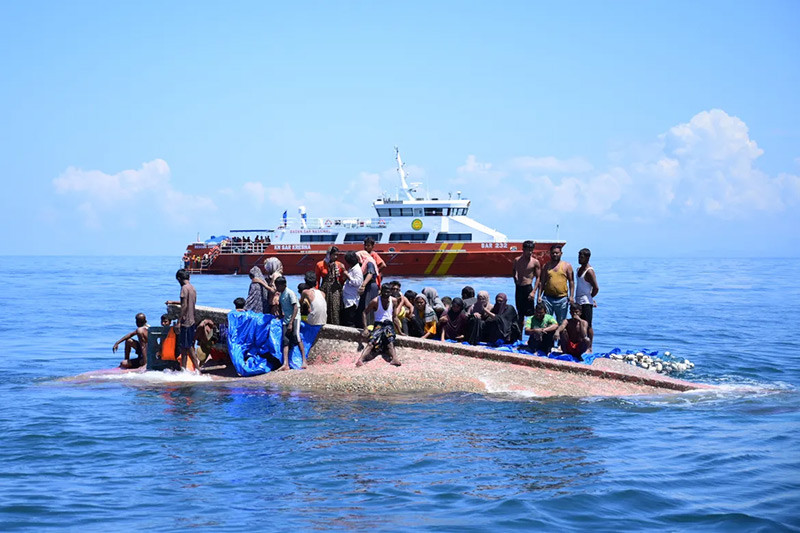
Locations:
column 165, row 377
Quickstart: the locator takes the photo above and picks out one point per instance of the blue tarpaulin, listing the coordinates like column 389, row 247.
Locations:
column 254, row 342
column 521, row 347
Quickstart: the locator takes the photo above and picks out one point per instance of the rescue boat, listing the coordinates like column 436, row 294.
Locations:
column 415, row 235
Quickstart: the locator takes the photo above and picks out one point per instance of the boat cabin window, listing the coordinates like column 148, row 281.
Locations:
column 395, row 212
column 359, row 237
column 456, row 211
column 444, row 237
column 433, row 211
column 318, row 238
column 411, row 237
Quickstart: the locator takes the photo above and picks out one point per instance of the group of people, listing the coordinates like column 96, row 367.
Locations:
column 352, row 293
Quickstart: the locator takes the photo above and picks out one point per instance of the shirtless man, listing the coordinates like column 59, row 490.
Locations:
column 586, row 289
column 556, row 285
column 138, row 345
column 573, row 334
column 382, row 337
column 526, row 270
column 186, row 326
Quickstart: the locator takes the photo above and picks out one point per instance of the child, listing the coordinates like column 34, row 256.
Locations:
column 138, row 345
column 290, row 309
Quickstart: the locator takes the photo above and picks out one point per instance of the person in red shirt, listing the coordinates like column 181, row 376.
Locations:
column 369, row 247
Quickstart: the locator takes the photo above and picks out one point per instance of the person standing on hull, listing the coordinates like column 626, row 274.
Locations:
column 330, row 277
column 314, row 300
column 526, row 273
column 369, row 247
column 350, row 295
column 383, row 335
column 586, row 289
column 557, row 285
column 186, row 323
column 290, row 311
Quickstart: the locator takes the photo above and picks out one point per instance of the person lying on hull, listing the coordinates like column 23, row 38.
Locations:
column 573, row 334
column 138, row 345
column 382, row 337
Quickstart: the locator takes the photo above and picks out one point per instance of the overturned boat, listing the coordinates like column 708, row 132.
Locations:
column 427, row 366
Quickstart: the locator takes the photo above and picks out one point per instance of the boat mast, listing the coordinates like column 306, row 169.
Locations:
column 402, row 172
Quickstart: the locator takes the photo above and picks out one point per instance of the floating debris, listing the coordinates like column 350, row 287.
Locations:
column 666, row 365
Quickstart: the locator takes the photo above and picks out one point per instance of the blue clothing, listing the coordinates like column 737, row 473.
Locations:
column 558, row 307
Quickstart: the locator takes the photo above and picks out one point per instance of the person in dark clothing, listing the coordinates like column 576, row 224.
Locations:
column 501, row 322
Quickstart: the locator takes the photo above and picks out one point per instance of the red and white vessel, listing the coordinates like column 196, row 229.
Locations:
column 415, row 236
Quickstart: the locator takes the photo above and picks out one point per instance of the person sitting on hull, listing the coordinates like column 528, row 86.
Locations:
column 573, row 334
column 382, row 337
column 501, row 322
column 542, row 329
column 477, row 315
column 453, row 324
column 138, row 345
column 422, row 321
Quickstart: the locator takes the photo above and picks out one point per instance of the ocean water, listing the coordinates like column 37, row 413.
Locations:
column 142, row 454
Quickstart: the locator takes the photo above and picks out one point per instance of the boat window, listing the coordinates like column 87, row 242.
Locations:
column 383, row 212
column 433, row 211
column 407, row 212
column 318, row 238
column 444, row 237
column 394, row 212
column 399, row 237
column 359, row 237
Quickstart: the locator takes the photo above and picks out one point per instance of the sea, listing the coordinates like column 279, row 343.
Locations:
column 176, row 453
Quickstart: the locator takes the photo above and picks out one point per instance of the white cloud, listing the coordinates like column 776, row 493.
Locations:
column 574, row 165
column 474, row 170
column 707, row 164
column 101, row 197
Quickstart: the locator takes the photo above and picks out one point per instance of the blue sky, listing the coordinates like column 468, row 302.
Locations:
column 655, row 128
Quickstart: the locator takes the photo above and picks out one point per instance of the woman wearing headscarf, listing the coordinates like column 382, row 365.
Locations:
column 433, row 300
column 422, row 322
column 258, row 295
column 369, row 286
column 274, row 269
column 453, row 324
column 501, row 322
column 477, row 315
column 330, row 278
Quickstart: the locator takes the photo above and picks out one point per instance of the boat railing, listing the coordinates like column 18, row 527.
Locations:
column 299, row 224
column 228, row 247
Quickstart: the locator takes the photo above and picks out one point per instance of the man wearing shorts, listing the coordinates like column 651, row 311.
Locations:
column 382, row 337
column 137, row 345
column 186, row 324
column 526, row 270
column 573, row 334
column 586, row 289
column 290, row 311
column 557, row 285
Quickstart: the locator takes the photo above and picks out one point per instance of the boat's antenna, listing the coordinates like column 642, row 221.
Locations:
column 402, row 172
column 557, row 237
